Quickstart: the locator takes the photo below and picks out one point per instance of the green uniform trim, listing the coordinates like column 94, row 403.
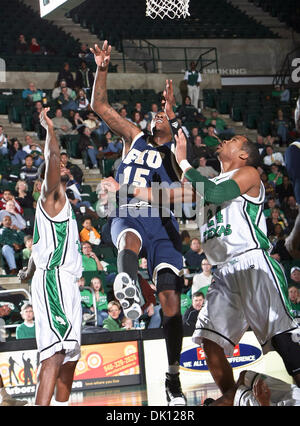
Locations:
column 212, row 193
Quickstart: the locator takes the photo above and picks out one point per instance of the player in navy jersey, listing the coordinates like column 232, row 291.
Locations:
column 140, row 229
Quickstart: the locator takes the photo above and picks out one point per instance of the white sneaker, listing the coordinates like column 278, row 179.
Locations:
column 128, row 296
column 7, row 400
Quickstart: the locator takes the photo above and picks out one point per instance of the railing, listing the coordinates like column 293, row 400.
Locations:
column 167, row 59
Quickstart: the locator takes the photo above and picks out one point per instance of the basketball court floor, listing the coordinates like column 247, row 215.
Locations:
column 137, row 396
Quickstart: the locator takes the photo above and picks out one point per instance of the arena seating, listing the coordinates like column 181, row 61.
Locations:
column 256, row 108
column 213, row 19
column 17, row 18
column 286, row 11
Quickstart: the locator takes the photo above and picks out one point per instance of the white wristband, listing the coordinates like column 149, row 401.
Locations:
column 184, row 165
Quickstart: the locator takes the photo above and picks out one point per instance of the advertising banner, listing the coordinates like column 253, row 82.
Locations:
column 100, row 366
column 196, row 380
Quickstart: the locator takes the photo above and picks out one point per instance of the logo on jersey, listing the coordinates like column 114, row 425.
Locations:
column 194, row 359
column 60, row 320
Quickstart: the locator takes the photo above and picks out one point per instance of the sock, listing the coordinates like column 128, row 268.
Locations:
column 128, row 262
column 173, row 332
column 59, row 403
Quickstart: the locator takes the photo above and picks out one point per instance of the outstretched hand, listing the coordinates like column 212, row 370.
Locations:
column 45, row 121
column 102, row 56
column 110, row 185
column 180, row 152
column 169, row 99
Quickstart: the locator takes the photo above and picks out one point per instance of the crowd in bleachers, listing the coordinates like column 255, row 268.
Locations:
column 79, row 131
column 31, row 44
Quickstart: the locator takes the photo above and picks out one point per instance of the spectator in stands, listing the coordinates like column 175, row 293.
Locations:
column 276, row 234
column 271, row 204
column 21, row 45
column 87, row 145
column 86, row 301
column 11, row 241
column 62, row 126
column 191, row 314
column 89, row 233
column 273, row 220
column 3, row 142
column 26, row 252
column 36, row 191
column 152, row 113
column 66, row 101
column 85, row 53
column 113, row 322
column 26, row 330
column 82, row 102
column 294, row 296
column 29, row 171
column 193, row 78
column 206, row 170
column 211, row 140
column 24, row 198
column 79, row 207
column 276, row 92
column 32, row 94
column 260, row 144
column 96, row 126
column 16, row 153
column 75, row 170
column 138, row 120
column 198, row 149
column 194, row 256
column 113, row 146
column 187, row 112
column 29, row 143
column 101, row 300
column 202, row 281
column 57, row 90
column 6, row 196
column 37, row 155
column 280, row 128
column 84, row 78
column 76, row 120
column 269, row 187
column 220, row 125
column 291, row 210
column 123, row 113
column 18, row 222
column 38, row 128
column 285, row 94
column 35, row 47
column 66, row 75
column 90, row 261
column 275, row 177
column 295, row 275
column 285, row 190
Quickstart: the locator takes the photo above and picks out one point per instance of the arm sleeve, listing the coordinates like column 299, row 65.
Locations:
column 213, row 193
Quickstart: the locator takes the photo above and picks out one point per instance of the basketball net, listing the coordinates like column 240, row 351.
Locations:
column 167, row 8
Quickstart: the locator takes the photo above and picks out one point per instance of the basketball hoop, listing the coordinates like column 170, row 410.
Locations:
column 167, row 8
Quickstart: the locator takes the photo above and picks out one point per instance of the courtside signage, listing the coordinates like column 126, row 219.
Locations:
column 194, row 359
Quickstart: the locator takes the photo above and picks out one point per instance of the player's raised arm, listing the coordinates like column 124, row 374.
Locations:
column 99, row 101
column 51, row 155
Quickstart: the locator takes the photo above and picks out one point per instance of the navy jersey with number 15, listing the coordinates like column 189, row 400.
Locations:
column 160, row 240
column 146, row 163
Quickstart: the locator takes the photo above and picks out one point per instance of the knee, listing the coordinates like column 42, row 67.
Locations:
column 130, row 241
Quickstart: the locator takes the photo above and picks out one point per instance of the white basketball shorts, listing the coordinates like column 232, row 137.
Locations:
column 249, row 291
column 57, row 309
